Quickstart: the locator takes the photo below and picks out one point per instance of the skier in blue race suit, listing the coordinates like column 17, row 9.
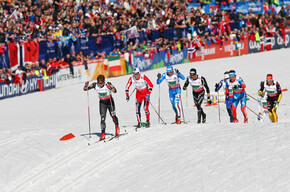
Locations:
column 238, row 86
column 229, row 101
column 172, row 77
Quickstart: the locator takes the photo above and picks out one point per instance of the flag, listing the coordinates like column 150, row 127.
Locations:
column 74, row 38
column 14, row 15
column 118, row 36
column 132, row 32
column 130, row 58
column 114, row 64
column 191, row 52
column 64, row 40
column 34, row 47
column 146, row 55
column 30, row 52
column 99, row 40
column 14, row 55
column 18, row 79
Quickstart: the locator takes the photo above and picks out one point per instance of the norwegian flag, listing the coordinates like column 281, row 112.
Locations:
column 99, row 40
column 112, row 29
column 104, row 27
column 118, row 36
column 103, row 54
column 191, row 52
column 18, row 79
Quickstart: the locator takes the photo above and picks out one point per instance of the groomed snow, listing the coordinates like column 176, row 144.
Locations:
column 209, row 157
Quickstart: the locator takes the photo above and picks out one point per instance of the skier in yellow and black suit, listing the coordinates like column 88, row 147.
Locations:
column 274, row 93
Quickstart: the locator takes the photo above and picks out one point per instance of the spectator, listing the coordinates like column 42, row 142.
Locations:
column 68, row 59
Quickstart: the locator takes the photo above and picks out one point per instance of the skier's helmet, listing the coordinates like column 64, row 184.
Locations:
column 169, row 69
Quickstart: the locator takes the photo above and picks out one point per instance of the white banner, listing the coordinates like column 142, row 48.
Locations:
column 64, row 76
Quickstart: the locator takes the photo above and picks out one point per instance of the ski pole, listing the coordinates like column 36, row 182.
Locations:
column 157, row 113
column 219, row 109
column 186, row 99
column 182, row 108
column 252, row 97
column 112, row 110
column 159, row 103
column 252, row 111
column 132, row 92
column 89, row 116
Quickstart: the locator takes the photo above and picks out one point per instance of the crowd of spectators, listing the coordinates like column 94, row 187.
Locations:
column 51, row 19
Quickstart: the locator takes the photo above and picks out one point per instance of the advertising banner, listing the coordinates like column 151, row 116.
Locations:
column 158, row 60
column 277, row 42
column 95, row 67
column 29, row 86
column 228, row 49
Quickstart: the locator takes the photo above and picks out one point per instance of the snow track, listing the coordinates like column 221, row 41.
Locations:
column 210, row 157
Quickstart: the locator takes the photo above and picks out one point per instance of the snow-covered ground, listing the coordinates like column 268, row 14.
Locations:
column 208, row 157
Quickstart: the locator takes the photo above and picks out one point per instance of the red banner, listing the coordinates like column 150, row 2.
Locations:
column 228, row 49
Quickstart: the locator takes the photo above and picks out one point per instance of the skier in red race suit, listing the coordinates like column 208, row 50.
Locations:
column 143, row 90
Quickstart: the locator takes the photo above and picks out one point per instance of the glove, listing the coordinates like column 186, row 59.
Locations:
column 147, row 97
column 259, row 116
column 227, row 97
column 276, row 104
column 86, row 86
column 127, row 98
column 177, row 71
column 216, row 87
column 237, row 86
column 109, row 85
column 209, row 101
column 184, row 88
column 158, row 75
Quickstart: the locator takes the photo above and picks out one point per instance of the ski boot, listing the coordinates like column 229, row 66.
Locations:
column 148, row 124
column 246, row 120
column 203, row 118
column 198, row 116
column 177, row 119
column 117, row 130
column 139, row 125
column 236, row 121
column 103, row 136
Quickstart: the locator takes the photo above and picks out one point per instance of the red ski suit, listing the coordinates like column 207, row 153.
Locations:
column 143, row 87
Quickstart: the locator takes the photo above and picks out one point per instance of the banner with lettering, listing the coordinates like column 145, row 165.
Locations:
column 29, row 86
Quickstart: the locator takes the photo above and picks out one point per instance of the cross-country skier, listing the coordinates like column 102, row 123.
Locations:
column 172, row 78
column 238, row 86
column 229, row 102
column 263, row 107
column 143, row 90
column 198, row 83
column 104, row 90
column 274, row 94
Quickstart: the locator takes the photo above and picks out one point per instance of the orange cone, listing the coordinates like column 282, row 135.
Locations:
column 67, row 137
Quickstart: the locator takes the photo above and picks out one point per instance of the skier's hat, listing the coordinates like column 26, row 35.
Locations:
column 232, row 73
column 192, row 72
column 136, row 70
column 269, row 77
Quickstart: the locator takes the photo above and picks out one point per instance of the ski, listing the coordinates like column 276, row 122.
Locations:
column 116, row 137
column 184, row 122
